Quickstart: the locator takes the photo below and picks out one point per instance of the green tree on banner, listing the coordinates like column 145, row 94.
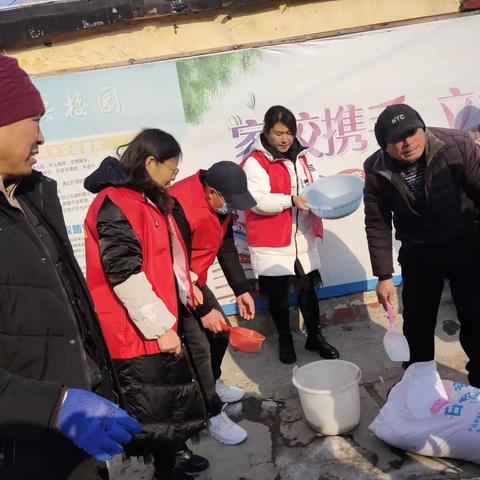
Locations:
column 204, row 78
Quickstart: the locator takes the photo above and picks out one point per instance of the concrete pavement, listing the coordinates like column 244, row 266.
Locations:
column 281, row 446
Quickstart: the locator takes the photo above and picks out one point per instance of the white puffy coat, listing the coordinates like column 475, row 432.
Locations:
column 277, row 261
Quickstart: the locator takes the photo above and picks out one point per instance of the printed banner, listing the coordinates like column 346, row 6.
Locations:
column 215, row 104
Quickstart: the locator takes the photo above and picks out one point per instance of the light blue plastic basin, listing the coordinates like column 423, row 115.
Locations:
column 335, row 196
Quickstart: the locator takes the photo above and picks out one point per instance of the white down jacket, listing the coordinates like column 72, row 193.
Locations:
column 278, row 261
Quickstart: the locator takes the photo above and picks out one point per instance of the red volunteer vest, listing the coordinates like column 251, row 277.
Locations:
column 271, row 230
column 207, row 231
column 150, row 226
column 275, row 230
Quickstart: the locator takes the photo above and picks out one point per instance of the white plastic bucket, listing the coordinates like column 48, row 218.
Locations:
column 329, row 395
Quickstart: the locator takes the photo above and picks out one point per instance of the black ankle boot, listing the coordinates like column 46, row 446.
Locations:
column 286, row 352
column 189, row 462
column 316, row 343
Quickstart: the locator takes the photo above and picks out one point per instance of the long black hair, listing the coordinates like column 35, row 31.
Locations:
column 149, row 142
column 279, row 114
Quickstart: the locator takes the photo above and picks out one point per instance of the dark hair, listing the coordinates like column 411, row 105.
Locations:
column 149, row 142
column 279, row 114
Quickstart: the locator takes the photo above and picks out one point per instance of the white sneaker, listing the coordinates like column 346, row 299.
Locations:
column 221, row 428
column 228, row 394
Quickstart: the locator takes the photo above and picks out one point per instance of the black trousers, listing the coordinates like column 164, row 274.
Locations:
column 423, row 280
column 277, row 290
column 53, row 459
column 207, row 351
column 164, row 463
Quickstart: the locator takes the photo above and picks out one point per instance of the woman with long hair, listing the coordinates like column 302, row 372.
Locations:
column 282, row 232
column 137, row 272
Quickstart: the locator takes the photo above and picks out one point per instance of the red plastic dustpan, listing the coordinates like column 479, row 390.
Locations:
column 244, row 339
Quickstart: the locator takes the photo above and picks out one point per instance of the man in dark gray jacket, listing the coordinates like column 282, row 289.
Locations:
column 427, row 182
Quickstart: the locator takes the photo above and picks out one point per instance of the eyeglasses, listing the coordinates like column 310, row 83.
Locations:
column 173, row 170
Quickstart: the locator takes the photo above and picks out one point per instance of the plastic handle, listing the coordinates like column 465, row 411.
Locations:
column 391, row 318
column 225, row 327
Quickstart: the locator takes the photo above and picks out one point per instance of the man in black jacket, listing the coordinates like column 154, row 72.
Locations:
column 57, row 420
column 427, row 181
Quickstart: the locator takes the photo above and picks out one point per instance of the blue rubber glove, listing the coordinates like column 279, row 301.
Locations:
column 95, row 424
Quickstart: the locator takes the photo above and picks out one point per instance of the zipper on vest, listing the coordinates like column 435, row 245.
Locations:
column 296, row 215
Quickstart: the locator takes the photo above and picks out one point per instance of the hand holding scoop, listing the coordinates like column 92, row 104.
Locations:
column 394, row 341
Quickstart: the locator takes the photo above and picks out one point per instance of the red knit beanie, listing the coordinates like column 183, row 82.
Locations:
column 19, row 98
